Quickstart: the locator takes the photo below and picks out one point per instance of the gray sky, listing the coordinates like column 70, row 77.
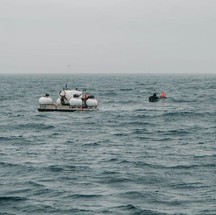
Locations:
column 101, row 36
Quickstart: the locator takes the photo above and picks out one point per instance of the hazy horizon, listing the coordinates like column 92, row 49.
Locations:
column 115, row 36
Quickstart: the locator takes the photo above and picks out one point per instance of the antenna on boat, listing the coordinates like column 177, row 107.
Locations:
column 65, row 88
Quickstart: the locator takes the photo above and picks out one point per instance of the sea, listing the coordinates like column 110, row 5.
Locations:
column 129, row 157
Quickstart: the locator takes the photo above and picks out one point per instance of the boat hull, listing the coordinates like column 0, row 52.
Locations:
column 64, row 108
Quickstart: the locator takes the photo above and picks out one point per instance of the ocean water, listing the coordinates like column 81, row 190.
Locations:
column 129, row 157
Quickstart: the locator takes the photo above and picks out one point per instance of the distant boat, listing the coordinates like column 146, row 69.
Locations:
column 155, row 98
column 69, row 100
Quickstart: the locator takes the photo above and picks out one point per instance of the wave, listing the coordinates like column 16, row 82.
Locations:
column 117, row 180
column 11, row 199
column 60, row 168
column 110, row 94
column 7, row 164
column 190, row 166
column 175, row 100
column 178, row 114
column 132, row 209
column 41, row 126
column 84, row 196
column 189, row 186
column 138, row 122
column 126, row 89
column 6, row 213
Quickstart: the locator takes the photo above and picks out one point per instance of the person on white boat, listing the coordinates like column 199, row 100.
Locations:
column 63, row 98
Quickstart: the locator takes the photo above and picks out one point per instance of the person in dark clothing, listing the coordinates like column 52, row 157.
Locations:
column 153, row 98
column 63, row 98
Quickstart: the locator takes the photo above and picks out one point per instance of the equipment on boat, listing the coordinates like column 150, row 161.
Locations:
column 45, row 100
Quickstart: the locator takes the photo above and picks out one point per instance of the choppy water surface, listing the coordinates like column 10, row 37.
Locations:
column 130, row 157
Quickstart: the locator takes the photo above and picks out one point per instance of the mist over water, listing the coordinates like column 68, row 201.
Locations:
column 129, row 157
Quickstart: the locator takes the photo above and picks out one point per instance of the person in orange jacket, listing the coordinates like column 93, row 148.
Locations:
column 163, row 95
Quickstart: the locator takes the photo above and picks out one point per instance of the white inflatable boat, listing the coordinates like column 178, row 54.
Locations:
column 69, row 100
